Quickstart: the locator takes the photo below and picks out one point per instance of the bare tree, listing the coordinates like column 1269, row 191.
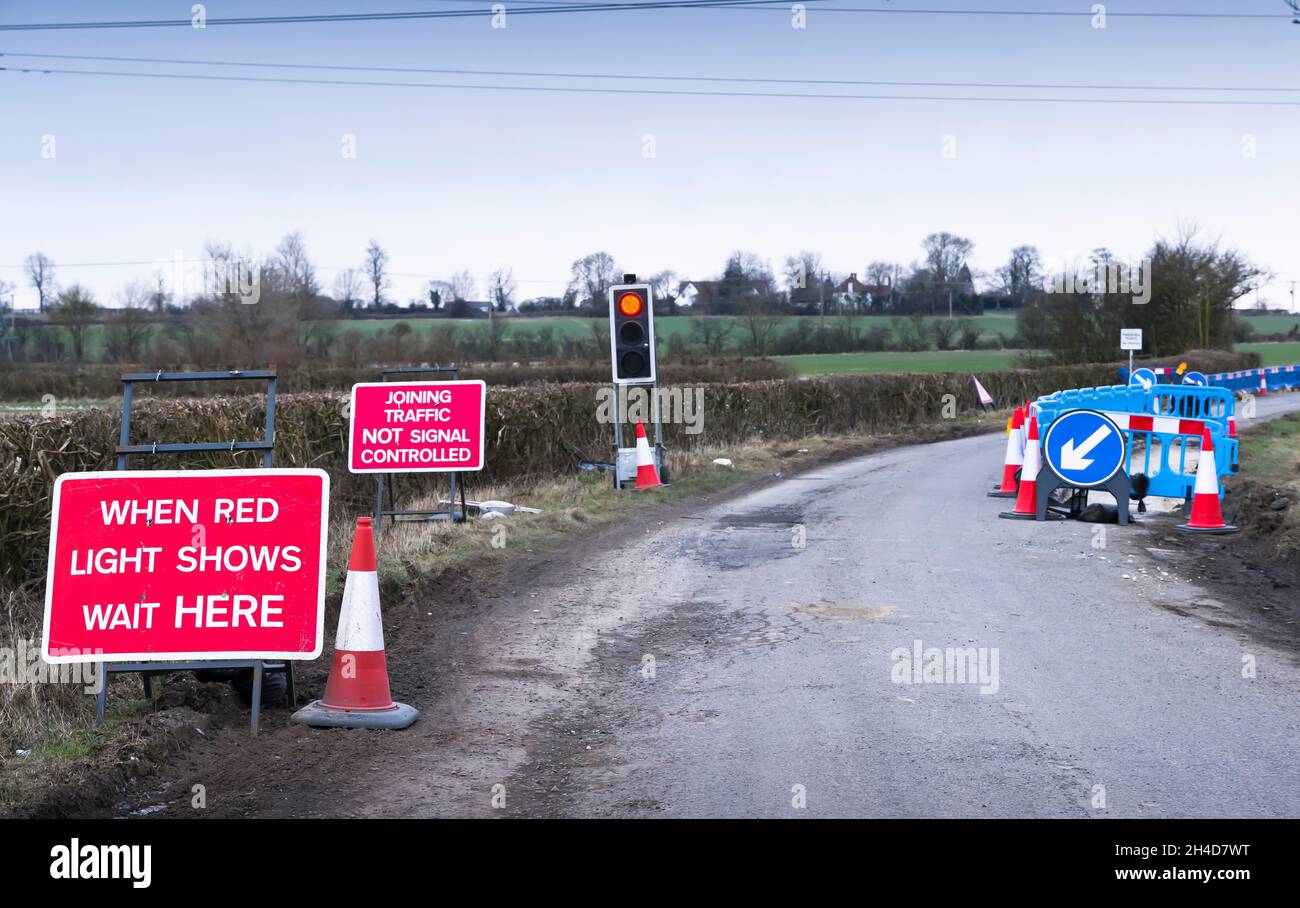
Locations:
column 501, row 288
column 376, row 270
column 439, row 293
column 7, row 333
column 75, row 311
column 592, row 276
column 945, row 257
column 40, row 271
column 712, row 333
column 1022, row 274
column 760, row 324
column 801, row 270
column 462, row 286
column 219, row 270
column 159, row 298
column 127, row 333
column 664, row 286
column 347, row 288
column 945, row 254
column 296, row 273
column 881, row 274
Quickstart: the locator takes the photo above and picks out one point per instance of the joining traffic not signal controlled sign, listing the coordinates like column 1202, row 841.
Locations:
column 631, row 334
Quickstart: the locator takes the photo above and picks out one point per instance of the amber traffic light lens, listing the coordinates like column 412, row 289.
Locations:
column 630, row 304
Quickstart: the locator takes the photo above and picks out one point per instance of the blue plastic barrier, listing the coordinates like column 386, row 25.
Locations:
column 1168, row 421
column 1279, row 378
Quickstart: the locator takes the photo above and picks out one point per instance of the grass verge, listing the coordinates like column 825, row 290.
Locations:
column 1262, row 499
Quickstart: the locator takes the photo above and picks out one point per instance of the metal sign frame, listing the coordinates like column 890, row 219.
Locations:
column 125, row 450
column 420, row 516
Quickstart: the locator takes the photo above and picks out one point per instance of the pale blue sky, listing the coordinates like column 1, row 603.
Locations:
column 452, row 179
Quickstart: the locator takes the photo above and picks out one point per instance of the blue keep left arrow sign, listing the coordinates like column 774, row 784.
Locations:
column 1084, row 447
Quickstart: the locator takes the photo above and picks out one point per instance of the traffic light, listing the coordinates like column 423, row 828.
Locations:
column 632, row 334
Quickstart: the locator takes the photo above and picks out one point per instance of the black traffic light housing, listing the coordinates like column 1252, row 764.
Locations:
column 632, row 333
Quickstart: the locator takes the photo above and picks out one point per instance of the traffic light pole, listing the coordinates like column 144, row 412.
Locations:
column 632, row 354
column 620, row 417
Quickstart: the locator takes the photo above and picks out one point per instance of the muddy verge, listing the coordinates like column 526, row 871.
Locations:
column 1255, row 573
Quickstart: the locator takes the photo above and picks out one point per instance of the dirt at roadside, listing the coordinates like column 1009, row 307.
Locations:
column 450, row 641
column 1254, row 574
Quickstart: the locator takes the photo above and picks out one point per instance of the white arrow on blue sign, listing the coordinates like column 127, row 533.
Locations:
column 1144, row 377
column 1084, row 447
column 1195, row 378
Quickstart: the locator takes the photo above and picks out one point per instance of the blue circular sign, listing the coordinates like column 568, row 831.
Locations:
column 1195, row 378
column 1144, row 377
column 1084, row 447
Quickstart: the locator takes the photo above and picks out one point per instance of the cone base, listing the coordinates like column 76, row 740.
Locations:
column 1208, row 531
column 1014, row 515
column 317, row 715
column 996, row 494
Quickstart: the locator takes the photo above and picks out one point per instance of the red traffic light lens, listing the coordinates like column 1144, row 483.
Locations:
column 630, row 304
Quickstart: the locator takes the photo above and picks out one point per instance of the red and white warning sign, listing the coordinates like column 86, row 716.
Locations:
column 416, row 427
column 186, row 564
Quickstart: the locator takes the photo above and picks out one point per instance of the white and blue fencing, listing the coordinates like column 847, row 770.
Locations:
column 1162, row 424
column 1278, row 378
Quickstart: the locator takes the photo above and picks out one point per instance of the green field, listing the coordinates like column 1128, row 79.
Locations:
column 930, row 361
column 1270, row 324
column 579, row 327
column 1274, row 354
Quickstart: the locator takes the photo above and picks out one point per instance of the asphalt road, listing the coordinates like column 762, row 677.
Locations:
column 755, row 673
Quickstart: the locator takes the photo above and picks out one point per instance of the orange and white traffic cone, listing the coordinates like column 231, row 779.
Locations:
column 647, row 477
column 356, row 694
column 1026, row 507
column 1014, row 459
column 1263, row 384
column 1207, row 515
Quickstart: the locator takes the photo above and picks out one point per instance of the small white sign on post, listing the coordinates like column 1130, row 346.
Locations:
column 1130, row 338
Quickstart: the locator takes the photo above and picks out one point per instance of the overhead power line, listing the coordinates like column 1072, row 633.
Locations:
column 570, row 8
column 715, row 93
column 396, row 16
column 898, row 83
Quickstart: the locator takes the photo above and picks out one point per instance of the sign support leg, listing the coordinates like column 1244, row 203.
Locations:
column 618, row 433
column 101, row 695
column 257, row 693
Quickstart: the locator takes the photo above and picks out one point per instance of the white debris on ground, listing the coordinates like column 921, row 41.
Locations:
column 723, row 462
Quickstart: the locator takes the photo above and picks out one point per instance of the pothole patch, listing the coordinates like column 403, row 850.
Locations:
column 843, row 613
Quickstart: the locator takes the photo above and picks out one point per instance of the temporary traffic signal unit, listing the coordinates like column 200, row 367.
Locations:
column 632, row 352
column 632, row 334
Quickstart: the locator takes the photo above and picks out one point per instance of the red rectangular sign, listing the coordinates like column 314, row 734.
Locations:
column 416, row 427
column 186, row 564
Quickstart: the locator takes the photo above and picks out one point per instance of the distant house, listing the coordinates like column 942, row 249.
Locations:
column 708, row 294
column 469, row 309
column 853, row 290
